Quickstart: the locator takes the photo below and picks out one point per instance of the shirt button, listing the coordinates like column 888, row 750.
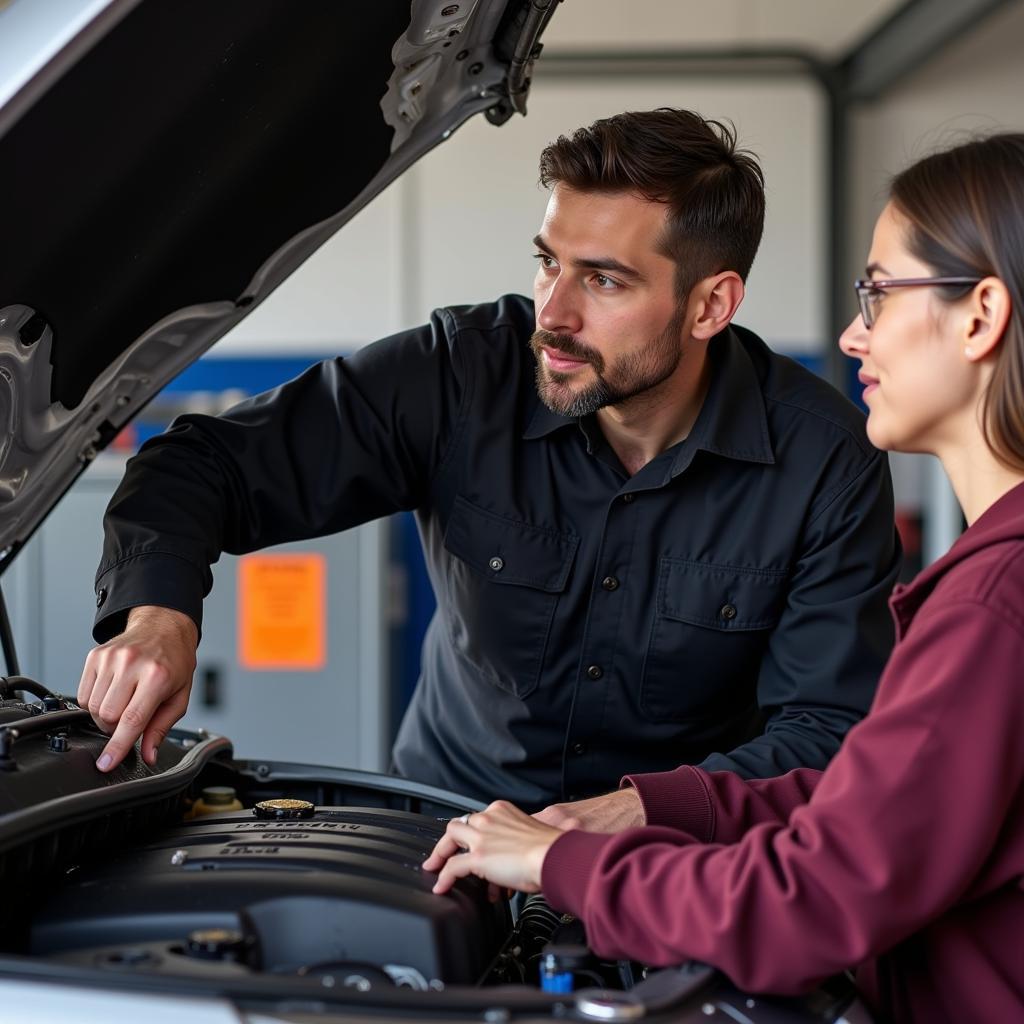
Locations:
column 728, row 612
column 101, row 596
column 627, row 498
column 497, row 564
column 595, row 671
column 610, row 583
column 579, row 748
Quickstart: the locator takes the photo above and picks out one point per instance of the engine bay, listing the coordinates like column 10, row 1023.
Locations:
column 294, row 890
column 281, row 884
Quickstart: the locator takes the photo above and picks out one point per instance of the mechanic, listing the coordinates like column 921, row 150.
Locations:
column 653, row 541
column 904, row 859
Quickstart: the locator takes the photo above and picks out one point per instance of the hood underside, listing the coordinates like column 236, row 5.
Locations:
column 173, row 163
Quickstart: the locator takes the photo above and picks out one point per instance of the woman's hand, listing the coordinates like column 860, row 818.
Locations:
column 502, row 844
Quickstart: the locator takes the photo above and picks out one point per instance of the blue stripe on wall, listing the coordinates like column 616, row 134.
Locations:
column 250, row 373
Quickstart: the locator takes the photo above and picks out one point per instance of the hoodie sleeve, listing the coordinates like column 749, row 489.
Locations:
column 904, row 821
column 719, row 807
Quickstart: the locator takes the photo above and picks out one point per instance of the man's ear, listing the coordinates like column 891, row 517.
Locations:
column 988, row 313
column 717, row 300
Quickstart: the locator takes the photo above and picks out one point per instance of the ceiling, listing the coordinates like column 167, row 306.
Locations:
column 829, row 28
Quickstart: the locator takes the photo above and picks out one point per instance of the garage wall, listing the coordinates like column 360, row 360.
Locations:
column 975, row 85
column 457, row 228
column 481, row 243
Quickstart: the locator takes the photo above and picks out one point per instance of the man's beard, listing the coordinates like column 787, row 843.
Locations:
column 632, row 375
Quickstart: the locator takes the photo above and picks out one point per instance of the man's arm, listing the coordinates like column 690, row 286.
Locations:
column 611, row 812
column 827, row 651
column 714, row 808
column 347, row 441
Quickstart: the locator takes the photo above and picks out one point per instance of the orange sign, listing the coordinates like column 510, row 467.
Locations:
column 282, row 608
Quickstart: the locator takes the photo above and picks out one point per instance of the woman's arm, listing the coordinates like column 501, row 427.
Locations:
column 899, row 827
column 719, row 807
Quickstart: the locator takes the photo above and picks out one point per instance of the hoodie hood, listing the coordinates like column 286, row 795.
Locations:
column 1003, row 521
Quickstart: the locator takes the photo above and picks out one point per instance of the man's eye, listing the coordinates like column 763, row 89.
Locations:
column 546, row 261
column 605, row 283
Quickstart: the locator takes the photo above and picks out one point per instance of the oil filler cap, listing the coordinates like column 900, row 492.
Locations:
column 217, row 944
column 278, row 810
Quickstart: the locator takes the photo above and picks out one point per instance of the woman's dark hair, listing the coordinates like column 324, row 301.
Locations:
column 965, row 209
column 714, row 192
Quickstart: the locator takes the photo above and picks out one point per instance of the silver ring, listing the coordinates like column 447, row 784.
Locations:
column 464, row 818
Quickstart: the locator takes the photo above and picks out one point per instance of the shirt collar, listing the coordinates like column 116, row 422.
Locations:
column 544, row 421
column 732, row 422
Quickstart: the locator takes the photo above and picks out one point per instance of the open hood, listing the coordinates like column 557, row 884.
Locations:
column 164, row 166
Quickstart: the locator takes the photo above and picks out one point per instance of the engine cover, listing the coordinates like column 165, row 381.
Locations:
column 336, row 891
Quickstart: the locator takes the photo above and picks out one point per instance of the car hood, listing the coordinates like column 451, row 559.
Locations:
column 165, row 166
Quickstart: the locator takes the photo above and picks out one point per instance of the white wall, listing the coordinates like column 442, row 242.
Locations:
column 348, row 292
column 826, row 27
column 457, row 227
column 977, row 84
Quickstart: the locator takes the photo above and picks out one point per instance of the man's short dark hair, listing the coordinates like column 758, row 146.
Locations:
column 714, row 191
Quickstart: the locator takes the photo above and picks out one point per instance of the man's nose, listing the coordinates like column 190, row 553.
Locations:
column 557, row 308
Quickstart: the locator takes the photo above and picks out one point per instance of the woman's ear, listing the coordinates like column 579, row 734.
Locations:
column 988, row 315
column 718, row 298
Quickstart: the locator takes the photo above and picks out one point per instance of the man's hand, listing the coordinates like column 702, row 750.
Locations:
column 137, row 684
column 502, row 844
column 612, row 812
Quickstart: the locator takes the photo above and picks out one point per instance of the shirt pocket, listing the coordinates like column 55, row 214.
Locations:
column 711, row 627
column 504, row 583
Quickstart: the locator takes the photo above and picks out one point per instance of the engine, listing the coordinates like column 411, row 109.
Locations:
column 285, row 887
column 281, row 885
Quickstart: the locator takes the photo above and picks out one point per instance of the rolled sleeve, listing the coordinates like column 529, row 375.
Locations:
column 676, row 799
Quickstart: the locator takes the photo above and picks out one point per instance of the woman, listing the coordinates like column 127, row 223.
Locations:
column 905, row 858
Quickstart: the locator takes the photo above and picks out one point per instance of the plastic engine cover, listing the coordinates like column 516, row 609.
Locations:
column 230, row 892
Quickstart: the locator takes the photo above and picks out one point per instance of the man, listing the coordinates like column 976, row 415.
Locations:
column 652, row 540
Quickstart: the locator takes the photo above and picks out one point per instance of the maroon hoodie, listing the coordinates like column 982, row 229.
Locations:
column 904, row 858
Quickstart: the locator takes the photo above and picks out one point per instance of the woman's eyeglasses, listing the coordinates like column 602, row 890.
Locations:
column 870, row 293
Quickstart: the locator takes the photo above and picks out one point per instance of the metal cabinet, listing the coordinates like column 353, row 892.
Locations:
column 336, row 714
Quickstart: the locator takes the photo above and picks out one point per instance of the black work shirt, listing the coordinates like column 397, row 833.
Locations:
column 725, row 605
